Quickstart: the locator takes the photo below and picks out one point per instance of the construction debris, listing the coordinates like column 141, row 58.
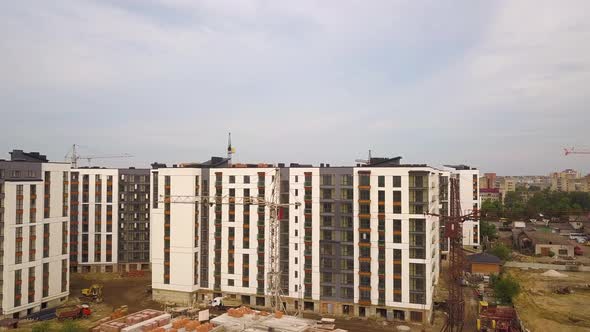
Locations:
column 563, row 290
column 554, row 274
column 246, row 319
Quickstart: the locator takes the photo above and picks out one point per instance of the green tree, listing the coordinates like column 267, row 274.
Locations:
column 506, row 288
column 491, row 208
column 489, row 230
column 501, row 251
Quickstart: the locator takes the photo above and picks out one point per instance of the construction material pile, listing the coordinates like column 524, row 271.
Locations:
column 145, row 320
column 553, row 274
column 239, row 312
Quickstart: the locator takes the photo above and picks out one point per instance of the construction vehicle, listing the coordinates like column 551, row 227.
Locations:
column 225, row 302
column 79, row 311
column 94, row 293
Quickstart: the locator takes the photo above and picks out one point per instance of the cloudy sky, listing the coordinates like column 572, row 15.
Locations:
column 500, row 85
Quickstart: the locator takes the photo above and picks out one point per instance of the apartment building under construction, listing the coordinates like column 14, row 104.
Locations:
column 34, row 214
column 109, row 219
column 359, row 241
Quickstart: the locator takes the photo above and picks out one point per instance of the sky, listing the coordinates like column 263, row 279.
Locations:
column 502, row 86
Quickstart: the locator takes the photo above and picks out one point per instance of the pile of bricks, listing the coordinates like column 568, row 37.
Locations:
column 239, row 312
column 183, row 324
column 135, row 273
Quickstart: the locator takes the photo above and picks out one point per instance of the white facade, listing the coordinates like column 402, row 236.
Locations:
column 431, row 234
column 470, row 200
column 97, row 201
column 181, row 230
column 35, row 253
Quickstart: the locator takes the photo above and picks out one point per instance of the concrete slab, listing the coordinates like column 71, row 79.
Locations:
column 257, row 323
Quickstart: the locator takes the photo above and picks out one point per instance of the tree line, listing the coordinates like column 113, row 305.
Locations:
column 529, row 204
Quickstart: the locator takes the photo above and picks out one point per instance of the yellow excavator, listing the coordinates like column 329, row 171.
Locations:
column 94, row 293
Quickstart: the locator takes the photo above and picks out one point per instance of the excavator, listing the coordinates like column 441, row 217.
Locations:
column 94, row 293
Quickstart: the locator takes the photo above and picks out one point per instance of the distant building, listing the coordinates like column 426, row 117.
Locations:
column 483, row 263
column 488, row 181
column 490, row 194
column 543, row 243
column 565, row 180
column 507, row 185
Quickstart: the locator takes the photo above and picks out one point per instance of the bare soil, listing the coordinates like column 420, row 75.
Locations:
column 543, row 310
column 117, row 291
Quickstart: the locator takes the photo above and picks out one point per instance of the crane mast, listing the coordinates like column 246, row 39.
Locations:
column 73, row 156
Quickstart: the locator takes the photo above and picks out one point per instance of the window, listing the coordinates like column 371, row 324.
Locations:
column 381, row 196
column 346, row 180
column 246, row 178
column 397, row 181
column 381, row 181
column 397, row 231
column 346, row 194
column 327, row 180
column 397, row 201
column 364, row 195
column 232, row 179
column 415, row 316
column 230, row 282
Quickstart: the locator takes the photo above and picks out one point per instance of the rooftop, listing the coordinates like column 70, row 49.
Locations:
column 220, row 162
column 546, row 237
column 484, row 258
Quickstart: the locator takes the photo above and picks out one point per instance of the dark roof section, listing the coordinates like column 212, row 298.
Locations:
column 546, row 237
column 484, row 258
column 20, row 155
column 461, row 167
column 384, row 162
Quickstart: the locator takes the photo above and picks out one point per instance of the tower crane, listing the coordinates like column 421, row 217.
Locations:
column 275, row 207
column 453, row 231
column 574, row 151
column 72, row 156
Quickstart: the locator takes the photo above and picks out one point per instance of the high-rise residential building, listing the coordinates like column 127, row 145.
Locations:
column 488, row 181
column 34, row 218
column 565, row 180
column 358, row 241
column 109, row 219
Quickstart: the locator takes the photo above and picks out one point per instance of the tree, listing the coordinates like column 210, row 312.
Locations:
column 488, row 229
column 491, row 208
column 501, row 251
column 506, row 288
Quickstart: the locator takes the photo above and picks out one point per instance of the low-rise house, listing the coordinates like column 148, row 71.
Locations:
column 484, row 263
column 519, row 224
column 543, row 243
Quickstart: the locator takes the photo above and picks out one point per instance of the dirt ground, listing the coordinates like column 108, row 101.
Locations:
column 117, row 291
column 543, row 310
column 132, row 292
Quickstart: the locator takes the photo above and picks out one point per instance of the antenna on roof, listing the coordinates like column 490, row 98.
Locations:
column 230, row 149
column 363, row 161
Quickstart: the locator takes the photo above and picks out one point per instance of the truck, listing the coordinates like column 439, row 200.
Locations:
column 225, row 302
column 78, row 311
